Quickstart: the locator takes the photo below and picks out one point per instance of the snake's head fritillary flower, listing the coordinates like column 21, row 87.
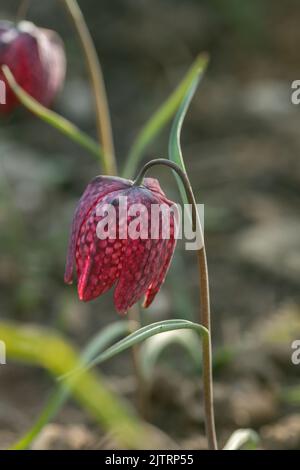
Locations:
column 36, row 59
column 135, row 256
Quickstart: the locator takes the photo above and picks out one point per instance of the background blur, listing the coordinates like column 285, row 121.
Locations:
column 241, row 145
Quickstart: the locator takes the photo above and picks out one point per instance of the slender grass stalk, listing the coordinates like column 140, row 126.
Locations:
column 206, row 349
column 204, row 297
column 97, row 82
column 134, row 316
column 22, row 10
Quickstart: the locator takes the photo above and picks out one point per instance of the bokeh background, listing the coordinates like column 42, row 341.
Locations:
column 241, row 146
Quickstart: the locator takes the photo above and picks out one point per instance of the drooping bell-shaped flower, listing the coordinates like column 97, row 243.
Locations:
column 122, row 235
column 36, row 59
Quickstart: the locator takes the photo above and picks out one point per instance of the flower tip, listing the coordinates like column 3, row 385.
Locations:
column 81, row 297
column 81, row 293
column 122, row 311
column 148, row 299
column 68, row 276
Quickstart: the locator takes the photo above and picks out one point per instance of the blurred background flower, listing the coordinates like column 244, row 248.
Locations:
column 35, row 57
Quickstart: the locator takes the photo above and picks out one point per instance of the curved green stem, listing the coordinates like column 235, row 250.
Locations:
column 204, row 297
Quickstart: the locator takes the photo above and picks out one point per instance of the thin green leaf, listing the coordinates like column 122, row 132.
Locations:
column 55, row 402
column 162, row 116
column 153, row 348
column 55, row 120
column 105, row 337
column 102, row 340
column 175, row 153
column 246, row 439
column 137, row 337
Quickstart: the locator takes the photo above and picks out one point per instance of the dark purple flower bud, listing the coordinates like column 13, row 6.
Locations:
column 35, row 57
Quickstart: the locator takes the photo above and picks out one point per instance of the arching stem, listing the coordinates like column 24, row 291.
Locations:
column 204, row 296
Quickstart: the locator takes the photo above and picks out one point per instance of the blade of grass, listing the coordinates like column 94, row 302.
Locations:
column 175, row 153
column 55, row 120
column 57, row 399
column 135, row 338
column 246, row 439
column 45, row 348
column 55, row 402
column 162, row 116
